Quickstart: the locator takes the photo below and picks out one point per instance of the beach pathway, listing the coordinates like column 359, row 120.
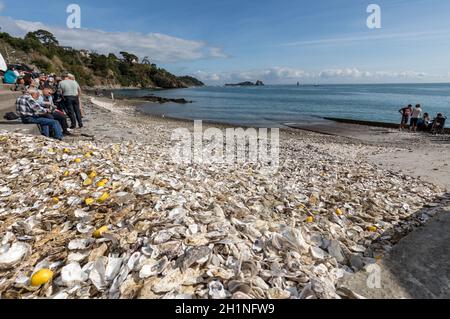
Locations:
column 418, row 267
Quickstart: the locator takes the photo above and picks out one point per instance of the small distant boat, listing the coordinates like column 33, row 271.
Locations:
column 298, row 83
column 317, row 82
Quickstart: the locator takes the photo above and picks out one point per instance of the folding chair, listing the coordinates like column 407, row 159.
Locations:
column 439, row 126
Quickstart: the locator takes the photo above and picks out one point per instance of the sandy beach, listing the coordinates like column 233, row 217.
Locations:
column 340, row 202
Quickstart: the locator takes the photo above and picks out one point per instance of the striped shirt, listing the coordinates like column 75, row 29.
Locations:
column 27, row 106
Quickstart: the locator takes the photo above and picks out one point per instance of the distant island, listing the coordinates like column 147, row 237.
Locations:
column 248, row 83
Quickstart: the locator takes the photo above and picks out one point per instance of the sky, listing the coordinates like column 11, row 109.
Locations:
column 276, row 41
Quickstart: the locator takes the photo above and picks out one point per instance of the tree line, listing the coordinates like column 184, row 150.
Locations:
column 91, row 68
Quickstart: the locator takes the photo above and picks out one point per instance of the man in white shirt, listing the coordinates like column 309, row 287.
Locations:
column 70, row 90
column 72, row 77
column 415, row 116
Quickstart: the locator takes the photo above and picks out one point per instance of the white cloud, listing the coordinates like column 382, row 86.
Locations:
column 402, row 74
column 285, row 75
column 336, row 73
column 370, row 37
column 159, row 47
column 270, row 75
column 217, row 53
column 355, row 73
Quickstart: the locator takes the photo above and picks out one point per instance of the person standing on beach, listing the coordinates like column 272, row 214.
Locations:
column 415, row 116
column 406, row 114
column 72, row 77
column 70, row 92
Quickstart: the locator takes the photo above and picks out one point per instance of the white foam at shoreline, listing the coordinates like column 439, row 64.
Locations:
column 106, row 105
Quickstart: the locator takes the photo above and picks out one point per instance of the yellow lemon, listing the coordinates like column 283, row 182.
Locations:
column 87, row 182
column 93, row 175
column 66, row 173
column 310, row 219
column 372, row 229
column 102, row 183
column 339, row 212
column 89, row 201
column 51, row 150
column 99, row 232
column 55, row 200
column 41, row 277
column 78, row 160
column 66, row 150
column 103, row 198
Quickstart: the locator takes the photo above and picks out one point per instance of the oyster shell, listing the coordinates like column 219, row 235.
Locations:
column 14, row 255
column 72, row 275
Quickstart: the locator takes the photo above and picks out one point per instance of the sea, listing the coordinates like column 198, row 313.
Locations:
column 281, row 105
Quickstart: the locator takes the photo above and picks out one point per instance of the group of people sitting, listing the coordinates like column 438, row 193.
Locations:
column 11, row 75
column 415, row 120
column 48, row 101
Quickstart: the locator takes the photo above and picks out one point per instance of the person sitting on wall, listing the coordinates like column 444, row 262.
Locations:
column 10, row 76
column 20, row 85
column 46, row 101
column 31, row 112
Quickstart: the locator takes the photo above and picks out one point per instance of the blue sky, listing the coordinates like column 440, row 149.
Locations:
column 276, row 41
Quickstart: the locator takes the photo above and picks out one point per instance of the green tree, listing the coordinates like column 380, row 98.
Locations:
column 100, row 65
column 129, row 57
column 45, row 37
column 43, row 65
column 146, row 60
column 112, row 57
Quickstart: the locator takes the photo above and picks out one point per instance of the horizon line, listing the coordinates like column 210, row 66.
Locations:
column 323, row 84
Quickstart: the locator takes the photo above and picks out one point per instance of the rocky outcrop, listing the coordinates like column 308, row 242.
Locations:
column 247, row 83
column 158, row 99
column 190, row 81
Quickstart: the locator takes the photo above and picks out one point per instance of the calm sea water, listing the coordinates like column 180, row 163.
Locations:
column 273, row 106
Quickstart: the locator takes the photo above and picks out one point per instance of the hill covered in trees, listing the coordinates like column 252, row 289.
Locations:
column 43, row 51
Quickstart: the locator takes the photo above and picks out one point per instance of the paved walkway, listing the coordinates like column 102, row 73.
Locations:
column 418, row 267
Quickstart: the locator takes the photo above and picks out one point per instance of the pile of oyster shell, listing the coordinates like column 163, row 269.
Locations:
column 123, row 221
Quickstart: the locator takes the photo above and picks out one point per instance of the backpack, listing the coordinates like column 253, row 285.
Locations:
column 11, row 116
